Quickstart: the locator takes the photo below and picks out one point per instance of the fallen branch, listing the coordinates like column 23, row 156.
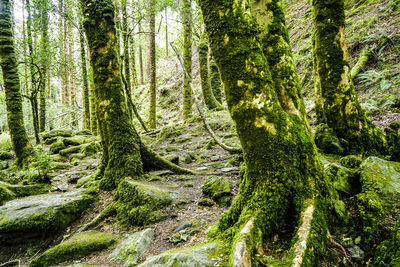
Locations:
column 362, row 61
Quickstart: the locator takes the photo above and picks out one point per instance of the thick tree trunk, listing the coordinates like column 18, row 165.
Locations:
column 44, row 43
column 208, row 95
column 152, row 61
column 121, row 143
column 85, row 84
column 336, row 100
column 283, row 174
column 9, row 67
column 187, row 58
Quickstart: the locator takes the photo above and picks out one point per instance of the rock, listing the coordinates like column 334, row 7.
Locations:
column 219, row 189
column 214, row 158
column 50, row 141
column 5, row 155
column 90, row 149
column 3, row 165
column 35, row 216
column 140, row 203
column 327, row 141
column 83, row 132
column 187, row 159
column 203, row 256
column 57, row 146
column 230, row 169
column 78, row 246
column 73, row 141
column 70, row 150
column 356, row 252
column 205, row 202
column 27, row 190
column 160, row 173
column 351, row 161
column 132, row 247
column 183, row 226
column 56, row 133
column 340, row 177
column 57, row 166
column 5, row 194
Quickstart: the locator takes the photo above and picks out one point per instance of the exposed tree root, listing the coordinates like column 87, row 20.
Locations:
column 107, row 212
column 362, row 61
column 304, row 231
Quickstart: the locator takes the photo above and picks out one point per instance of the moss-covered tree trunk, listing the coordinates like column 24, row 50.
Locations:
column 121, row 143
column 141, row 74
column 336, row 100
column 126, row 56
column 215, row 80
column 152, row 63
column 208, row 95
column 9, row 67
column 187, row 57
column 283, row 175
column 85, row 84
column 93, row 116
column 72, row 77
column 44, row 43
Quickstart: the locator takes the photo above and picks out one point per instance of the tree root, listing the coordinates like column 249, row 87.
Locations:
column 362, row 61
column 107, row 212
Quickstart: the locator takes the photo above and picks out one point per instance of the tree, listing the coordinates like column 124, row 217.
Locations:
column 187, row 57
column 337, row 104
column 208, row 95
column 9, row 67
column 44, row 45
column 283, row 173
column 215, row 80
column 85, row 84
column 152, row 63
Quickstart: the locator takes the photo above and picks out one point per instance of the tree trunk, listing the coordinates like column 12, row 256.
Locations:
column 166, row 33
column 336, row 100
column 134, row 81
column 44, row 43
column 152, row 61
column 85, row 85
column 283, row 174
column 93, row 112
column 187, row 57
column 121, row 143
column 9, row 66
column 208, row 95
column 72, row 77
column 215, row 80
column 126, row 63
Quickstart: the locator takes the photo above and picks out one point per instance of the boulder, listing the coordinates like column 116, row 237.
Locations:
column 351, row 161
column 76, row 247
column 219, row 189
column 35, row 216
column 141, row 203
column 132, row 247
column 74, row 141
column 341, row 177
column 56, row 133
column 83, row 132
column 27, row 190
column 199, row 256
column 57, row 146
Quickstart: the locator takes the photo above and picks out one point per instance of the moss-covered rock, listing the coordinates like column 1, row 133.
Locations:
column 380, row 194
column 219, row 189
column 83, row 132
column 57, row 146
column 202, row 255
column 90, row 148
column 132, row 247
column 341, row 177
column 393, row 139
column 70, row 150
column 40, row 215
column 5, row 155
column 326, row 140
column 56, row 133
column 76, row 247
column 26, row 190
column 5, row 194
column 351, row 161
column 57, row 166
column 140, row 203
column 388, row 252
column 74, row 141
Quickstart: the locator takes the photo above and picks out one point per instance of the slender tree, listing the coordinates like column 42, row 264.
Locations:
column 85, row 84
column 9, row 67
column 336, row 99
column 152, row 65
column 44, row 45
column 187, row 57
column 215, row 80
column 283, row 173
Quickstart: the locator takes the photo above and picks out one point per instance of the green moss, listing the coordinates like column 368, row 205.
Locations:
column 388, row 253
column 5, row 194
column 5, row 155
column 76, row 247
column 327, row 141
column 57, row 166
column 351, row 161
column 27, row 190
column 219, row 189
column 139, row 203
column 56, row 133
column 73, row 141
column 393, row 139
column 57, row 146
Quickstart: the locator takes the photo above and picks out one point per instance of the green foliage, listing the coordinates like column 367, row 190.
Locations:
column 5, row 141
column 41, row 161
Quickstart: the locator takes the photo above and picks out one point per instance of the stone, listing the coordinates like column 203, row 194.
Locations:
column 356, row 252
column 57, row 146
column 341, row 177
column 214, row 158
column 132, row 247
column 141, row 203
column 3, row 165
column 230, row 169
column 327, row 141
column 219, row 189
column 205, row 202
column 160, row 173
column 35, row 216
column 56, row 133
column 27, row 190
column 58, row 166
column 6, row 155
column 83, row 132
column 183, row 226
column 351, row 161
column 199, row 256
column 78, row 246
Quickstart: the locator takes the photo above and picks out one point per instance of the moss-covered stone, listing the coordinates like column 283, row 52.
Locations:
column 27, row 190
column 40, row 215
column 388, row 251
column 5, row 194
column 57, row 166
column 132, row 247
column 70, row 150
column 351, row 161
column 341, row 177
column 201, row 255
column 56, row 133
column 90, row 148
column 5, row 155
column 83, row 132
column 327, row 141
column 393, row 139
column 78, row 246
column 57, row 146
column 140, row 203
column 219, row 189
column 73, row 141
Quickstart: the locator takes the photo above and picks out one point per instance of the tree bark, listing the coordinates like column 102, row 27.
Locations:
column 208, row 95
column 9, row 66
column 152, row 61
column 215, row 80
column 283, row 174
column 72, row 77
column 44, row 43
column 187, row 57
column 85, row 84
column 337, row 104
